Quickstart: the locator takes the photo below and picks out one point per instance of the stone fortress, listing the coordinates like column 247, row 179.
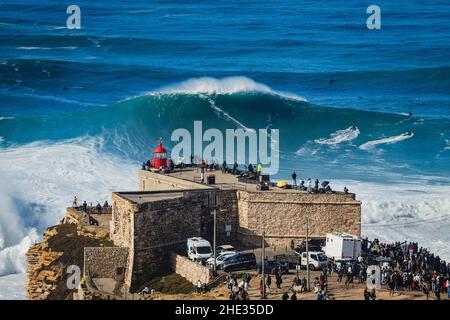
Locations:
column 148, row 228
column 169, row 208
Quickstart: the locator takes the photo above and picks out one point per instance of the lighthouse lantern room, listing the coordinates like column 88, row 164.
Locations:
column 159, row 161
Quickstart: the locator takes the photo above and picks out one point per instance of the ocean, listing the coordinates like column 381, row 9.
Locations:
column 80, row 110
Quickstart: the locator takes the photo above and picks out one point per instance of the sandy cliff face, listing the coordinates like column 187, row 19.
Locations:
column 62, row 246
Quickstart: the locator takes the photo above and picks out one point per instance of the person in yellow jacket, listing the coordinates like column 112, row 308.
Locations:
column 259, row 170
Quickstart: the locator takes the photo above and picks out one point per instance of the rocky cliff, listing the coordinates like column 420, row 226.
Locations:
column 62, row 246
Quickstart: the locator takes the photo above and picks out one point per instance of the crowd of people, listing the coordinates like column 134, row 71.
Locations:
column 238, row 290
column 410, row 267
column 89, row 208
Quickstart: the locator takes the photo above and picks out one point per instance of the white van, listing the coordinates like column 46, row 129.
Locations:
column 317, row 260
column 198, row 249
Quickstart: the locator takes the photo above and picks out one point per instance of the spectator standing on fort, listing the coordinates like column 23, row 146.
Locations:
column 75, row 201
column 99, row 207
column 84, row 206
column 202, row 170
column 105, row 204
column 309, row 185
column 294, row 179
column 259, row 169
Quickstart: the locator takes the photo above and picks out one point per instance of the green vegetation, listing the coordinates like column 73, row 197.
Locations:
column 72, row 246
column 170, row 284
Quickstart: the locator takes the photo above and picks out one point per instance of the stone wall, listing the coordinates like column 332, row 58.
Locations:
column 105, row 262
column 166, row 224
column 150, row 229
column 122, row 230
column 190, row 270
column 283, row 216
column 151, row 224
column 151, row 181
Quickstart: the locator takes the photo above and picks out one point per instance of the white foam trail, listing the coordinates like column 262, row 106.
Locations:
column 228, row 85
column 41, row 180
column 340, row 136
column 213, row 105
column 46, row 48
column 2, row 139
column 391, row 140
column 6, row 118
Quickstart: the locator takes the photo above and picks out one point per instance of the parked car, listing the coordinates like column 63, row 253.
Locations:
column 270, row 266
column 289, row 259
column 224, row 247
column 239, row 261
column 220, row 259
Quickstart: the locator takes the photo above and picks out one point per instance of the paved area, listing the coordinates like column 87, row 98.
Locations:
column 223, row 180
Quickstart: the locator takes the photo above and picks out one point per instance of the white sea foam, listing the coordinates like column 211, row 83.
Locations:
column 390, row 140
column 12, row 287
column 228, row 85
column 340, row 136
column 41, row 180
column 405, row 211
column 6, row 118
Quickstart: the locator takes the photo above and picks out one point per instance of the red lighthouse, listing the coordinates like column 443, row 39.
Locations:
column 159, row 161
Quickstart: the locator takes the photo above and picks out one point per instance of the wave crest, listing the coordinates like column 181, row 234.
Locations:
column 227, row 85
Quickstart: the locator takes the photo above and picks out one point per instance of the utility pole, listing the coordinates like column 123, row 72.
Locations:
column 307, row 254
column 263, row 254
column 214, row 212
column 214, row 244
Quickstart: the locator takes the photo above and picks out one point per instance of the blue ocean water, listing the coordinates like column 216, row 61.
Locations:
column 248, row 61
column 72, row 79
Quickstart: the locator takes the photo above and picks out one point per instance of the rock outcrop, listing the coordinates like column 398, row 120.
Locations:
column 63, row 245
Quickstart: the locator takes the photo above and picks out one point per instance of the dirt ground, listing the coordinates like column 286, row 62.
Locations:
column 336, row 291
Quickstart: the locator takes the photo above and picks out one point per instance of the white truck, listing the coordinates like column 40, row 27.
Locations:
column 342, row 246
column 198, row 249
column 317, row 260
